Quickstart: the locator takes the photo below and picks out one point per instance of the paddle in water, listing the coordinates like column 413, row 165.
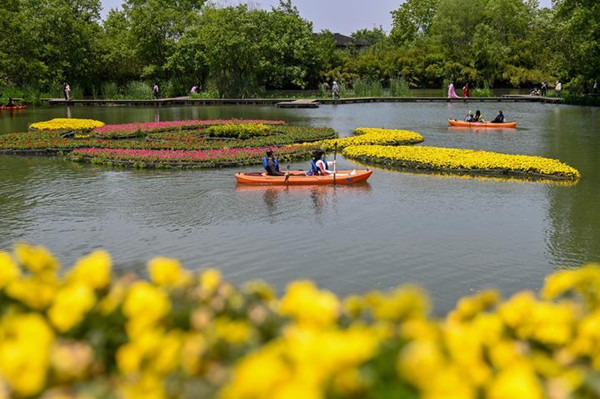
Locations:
column 334, row 162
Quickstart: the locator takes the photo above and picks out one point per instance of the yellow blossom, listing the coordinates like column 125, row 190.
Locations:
column 232, row 331
column 210, row 279
column 144, row 305
column 35, row 291
column 470, row 306
column 9, row 271
column 166, row 272
column 92, row 270
column 35, row 258
column 306, row 304
column 70, row 306
column 25, row 352
column 404, row 303
column 517, row 381
column 71, row 360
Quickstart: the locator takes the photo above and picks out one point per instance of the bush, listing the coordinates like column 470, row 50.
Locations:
column 138, row 90
column 399, row 88
column 484, row 92
column 368, row 88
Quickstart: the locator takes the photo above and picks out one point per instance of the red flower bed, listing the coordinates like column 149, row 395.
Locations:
column 201, row 157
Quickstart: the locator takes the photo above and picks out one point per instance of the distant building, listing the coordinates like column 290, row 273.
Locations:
column 343, row 42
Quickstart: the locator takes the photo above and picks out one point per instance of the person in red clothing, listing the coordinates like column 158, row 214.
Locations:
column 466, row 93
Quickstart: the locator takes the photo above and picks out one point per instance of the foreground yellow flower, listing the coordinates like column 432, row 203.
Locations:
column 166, row 272
column 92, row 270
column 70, row 306
column 306, row 304
column 9, row 271
column 36, row 259
column 371, row 136
column 67, row 124
column 25, row 352
column 145, row 305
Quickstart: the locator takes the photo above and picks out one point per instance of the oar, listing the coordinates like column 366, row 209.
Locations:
column 334, row 162
column 287, row 177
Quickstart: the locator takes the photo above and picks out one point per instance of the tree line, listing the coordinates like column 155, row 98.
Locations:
column 239, row 52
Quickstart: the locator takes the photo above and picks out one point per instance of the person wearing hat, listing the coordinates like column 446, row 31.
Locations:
column 335, row 89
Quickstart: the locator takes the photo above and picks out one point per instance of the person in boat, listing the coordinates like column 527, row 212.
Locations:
column 470, row 117
column 271, row 165
column 319, row 166
column 499, row 118
column 478, row 116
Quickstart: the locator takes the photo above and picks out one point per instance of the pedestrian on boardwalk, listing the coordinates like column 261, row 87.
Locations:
column 595, row 89
column 156, row 91
column 67, row 91
column 558, row 88
column 335, row 90
column 466, row 92
column 452, row 91
column 544, row 89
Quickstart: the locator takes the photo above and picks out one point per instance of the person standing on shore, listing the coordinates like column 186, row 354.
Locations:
column 558, row 88
column 595, row 89
column 452, row 91
column 544, row 89
column 67, row 91
column 156, row 91
column 466, row 92
column 335, row 90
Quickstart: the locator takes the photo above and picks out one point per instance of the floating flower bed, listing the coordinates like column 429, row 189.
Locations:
column 181, row 335
column 136, row 129
column 369, row 136
column 67, row 124
column 53, row 141
column 463, row 161
column 186, row 158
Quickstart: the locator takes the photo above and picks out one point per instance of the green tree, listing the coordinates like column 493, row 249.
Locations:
column 372, row 37
column 413, row 19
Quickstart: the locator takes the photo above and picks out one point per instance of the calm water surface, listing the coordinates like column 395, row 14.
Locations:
column 451, row 235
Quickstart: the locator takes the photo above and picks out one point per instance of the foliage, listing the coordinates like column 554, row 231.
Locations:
column 373, row 136
column 179, row 334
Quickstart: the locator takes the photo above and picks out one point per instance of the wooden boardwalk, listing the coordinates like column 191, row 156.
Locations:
column 304, row 103
column 298, row 104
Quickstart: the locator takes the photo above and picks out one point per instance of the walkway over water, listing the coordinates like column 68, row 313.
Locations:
column 275, row 101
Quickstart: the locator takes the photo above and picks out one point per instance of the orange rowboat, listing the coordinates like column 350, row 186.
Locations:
column 507, row 125
column 299, row 178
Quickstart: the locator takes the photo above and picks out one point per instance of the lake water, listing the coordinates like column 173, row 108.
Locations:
column 452, row 235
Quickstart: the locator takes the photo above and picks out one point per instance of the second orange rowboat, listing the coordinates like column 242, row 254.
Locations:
column 299, row 178
column 509, row 125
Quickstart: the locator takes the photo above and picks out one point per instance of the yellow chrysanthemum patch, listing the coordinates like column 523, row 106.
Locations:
column 67, row 124
column 371, row 136
column 462, row 161
column 88, row 334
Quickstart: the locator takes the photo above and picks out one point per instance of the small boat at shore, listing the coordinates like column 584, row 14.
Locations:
column 299, row 178
column 506, row 125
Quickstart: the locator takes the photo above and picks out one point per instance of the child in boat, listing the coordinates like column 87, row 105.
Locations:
column 499, row 118
column 271, row 165
column 478, row 117
column 319, row 166
column 470, row 117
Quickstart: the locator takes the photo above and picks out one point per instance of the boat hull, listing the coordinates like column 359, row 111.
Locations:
column 299, row 178
column 478, row 125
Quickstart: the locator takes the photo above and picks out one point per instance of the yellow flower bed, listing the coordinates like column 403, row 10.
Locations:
column 67, row 124
column 462, row 161
column 185, row 335
column 370, row 136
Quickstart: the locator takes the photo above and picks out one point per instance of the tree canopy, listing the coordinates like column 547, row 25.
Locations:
column 238, row 51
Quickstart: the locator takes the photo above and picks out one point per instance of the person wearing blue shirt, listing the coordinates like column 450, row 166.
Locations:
column 499, row 118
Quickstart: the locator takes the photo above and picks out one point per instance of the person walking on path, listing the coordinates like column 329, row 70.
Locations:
column 67, row 91
column 452, row 91
column 156, row 91
column 466, row 92
column 335, row 90
column 595, row 89
column 558, row 88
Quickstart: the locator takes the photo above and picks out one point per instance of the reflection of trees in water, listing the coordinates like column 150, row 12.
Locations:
column 573, row 212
